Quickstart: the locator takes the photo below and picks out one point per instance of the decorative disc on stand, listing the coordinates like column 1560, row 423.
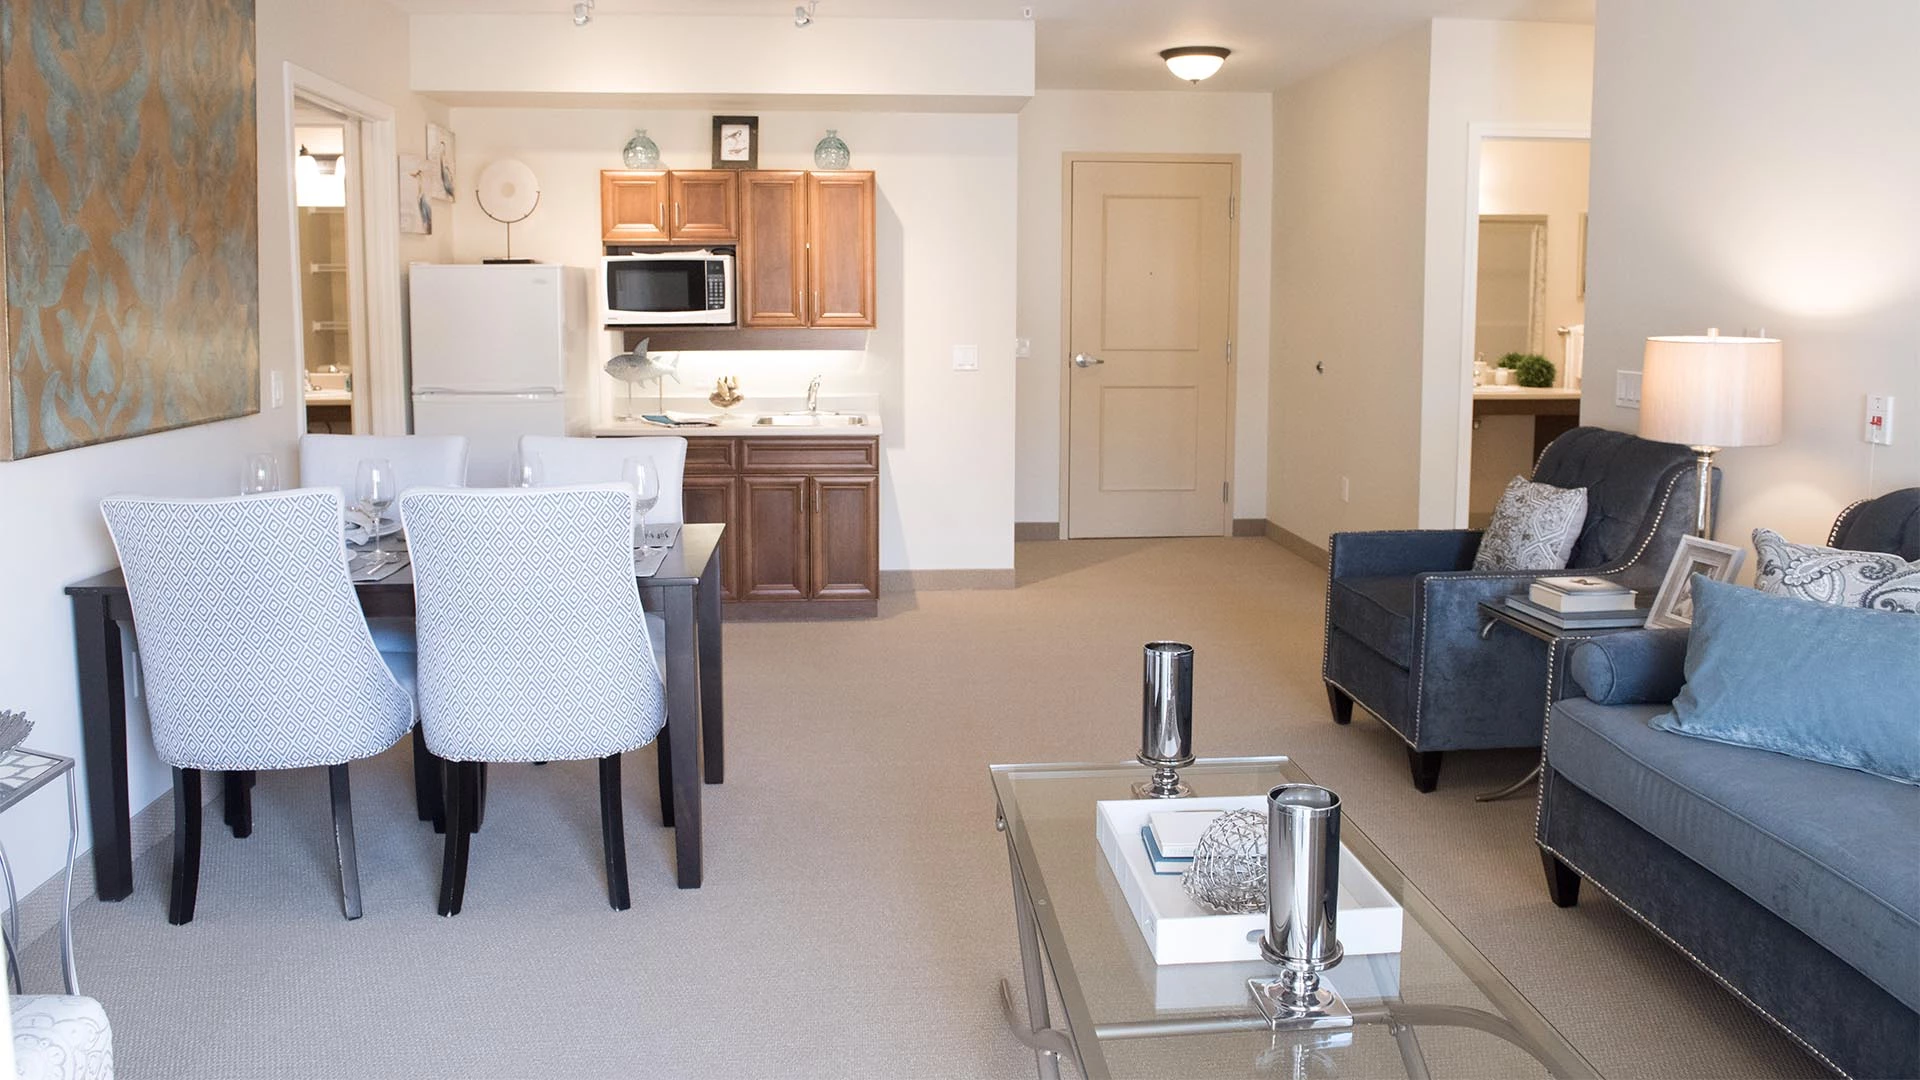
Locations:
column 508, row 192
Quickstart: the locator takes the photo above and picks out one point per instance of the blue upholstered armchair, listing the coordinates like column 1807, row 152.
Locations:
column 1403, row 623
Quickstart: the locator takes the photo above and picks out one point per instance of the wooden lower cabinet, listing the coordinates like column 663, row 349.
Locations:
column 802, row 517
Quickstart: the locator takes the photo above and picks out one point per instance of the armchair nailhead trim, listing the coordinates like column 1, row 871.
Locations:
column 1833, row 534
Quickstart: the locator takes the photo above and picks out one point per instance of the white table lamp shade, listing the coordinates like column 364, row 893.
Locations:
column 1711, row 391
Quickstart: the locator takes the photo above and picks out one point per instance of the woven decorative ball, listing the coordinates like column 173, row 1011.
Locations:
column 1229, row 871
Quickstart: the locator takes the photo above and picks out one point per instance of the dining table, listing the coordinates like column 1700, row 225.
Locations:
column 684, row 590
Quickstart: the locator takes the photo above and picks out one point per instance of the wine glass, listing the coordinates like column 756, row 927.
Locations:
column 375, row 489
column 262, row 474
column 526, row 472
column 645, row 478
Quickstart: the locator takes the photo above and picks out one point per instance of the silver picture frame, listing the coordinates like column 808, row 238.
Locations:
column 1673, row 605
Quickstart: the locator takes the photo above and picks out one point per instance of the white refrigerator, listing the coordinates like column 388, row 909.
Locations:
column 498, row 351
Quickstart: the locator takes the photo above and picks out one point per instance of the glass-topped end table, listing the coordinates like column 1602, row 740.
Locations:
column 23, row 772
column 1437, row 1008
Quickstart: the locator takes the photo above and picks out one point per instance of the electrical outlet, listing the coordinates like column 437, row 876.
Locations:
column 1626, row 389
column 1879, row 429
column 966, row 358
column 1022, row 348
column 276, row 390
column 1346, row 490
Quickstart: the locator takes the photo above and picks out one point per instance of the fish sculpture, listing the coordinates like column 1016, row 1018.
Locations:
column 638, row 367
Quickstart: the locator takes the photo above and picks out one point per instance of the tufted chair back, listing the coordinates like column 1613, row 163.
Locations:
column 533, row 646
column 253, row 647
column 567, row 460
column 1890, row 523
column 1638, row 493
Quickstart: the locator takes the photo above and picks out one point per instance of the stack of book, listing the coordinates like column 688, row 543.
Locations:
column 1580, row 603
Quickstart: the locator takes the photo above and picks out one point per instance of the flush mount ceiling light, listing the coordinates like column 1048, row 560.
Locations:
column 803, row 13
column 1194, row 62
column 583, row 12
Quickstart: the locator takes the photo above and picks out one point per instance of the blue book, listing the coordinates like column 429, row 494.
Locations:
column 1163, row 865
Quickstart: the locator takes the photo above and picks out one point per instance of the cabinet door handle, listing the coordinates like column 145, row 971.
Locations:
column 676, row 215
column 663, row 216
column 817, row 309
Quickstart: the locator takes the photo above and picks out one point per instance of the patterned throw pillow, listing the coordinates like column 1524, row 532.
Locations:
column 1869, row 579
column 1534, row 527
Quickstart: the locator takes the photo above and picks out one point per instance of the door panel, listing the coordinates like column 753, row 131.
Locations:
column 1150, row 269
column 705, row 205
column 773, row 515
column 840, row 273
column 773, row 249
column 710, row 499
column 633, row 206
column 846, row 537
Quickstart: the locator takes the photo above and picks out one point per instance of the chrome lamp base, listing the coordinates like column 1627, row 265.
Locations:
column 1296, row 1001
column 1166, row 782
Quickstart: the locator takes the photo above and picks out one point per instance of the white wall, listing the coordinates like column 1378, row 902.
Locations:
column 943, row 276
column 1056, row 122
column 1513, row 74
column 1756, row 164
column 52, row 502
column 1349, row 221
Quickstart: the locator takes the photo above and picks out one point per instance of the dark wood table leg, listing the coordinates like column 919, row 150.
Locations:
column 103, row 732
column 683, row 718
column 712, row 706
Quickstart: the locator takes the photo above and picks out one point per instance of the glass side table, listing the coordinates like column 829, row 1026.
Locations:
column 23, row 772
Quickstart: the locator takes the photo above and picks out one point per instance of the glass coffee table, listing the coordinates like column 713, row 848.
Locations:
column 1435, row 1009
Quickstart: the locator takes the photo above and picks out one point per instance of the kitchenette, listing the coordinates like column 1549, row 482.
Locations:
column 694, row 268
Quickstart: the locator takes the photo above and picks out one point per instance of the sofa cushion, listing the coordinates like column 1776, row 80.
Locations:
column 1534, row 527
column 1832, row 851
column 1817, row 681
column 1377, row 612
column 1870, row 579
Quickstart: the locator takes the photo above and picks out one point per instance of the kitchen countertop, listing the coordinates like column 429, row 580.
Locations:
column 1536, row 393
column 739, row 420
column 329, row 397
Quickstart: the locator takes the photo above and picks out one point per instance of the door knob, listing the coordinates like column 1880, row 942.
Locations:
column 1086, row 360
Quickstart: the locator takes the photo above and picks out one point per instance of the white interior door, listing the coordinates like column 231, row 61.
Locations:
column 1149, row 366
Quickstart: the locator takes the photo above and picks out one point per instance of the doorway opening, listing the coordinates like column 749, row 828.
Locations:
column 1526, row 293
column 331, row 271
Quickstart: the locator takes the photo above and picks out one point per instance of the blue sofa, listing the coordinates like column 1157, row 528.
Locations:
column 1795, row 884
column 1403, row 608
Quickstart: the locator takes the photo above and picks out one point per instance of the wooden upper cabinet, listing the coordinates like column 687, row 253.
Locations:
column 840, row 207
column 706, row 206
column 773, row 249
column 633, row 207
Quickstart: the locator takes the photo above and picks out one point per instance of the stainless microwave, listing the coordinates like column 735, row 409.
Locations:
column 667, row 288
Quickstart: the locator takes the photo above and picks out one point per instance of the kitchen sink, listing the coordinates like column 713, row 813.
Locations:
column 821, row 419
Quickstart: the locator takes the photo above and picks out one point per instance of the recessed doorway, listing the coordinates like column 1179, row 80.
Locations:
column 330, row 271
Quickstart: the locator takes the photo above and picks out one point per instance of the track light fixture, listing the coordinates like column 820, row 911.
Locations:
column 582, row 12
column 1194, row 62
column 803, row 13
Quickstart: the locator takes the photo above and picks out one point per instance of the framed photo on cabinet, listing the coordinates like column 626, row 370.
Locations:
column 736, row 142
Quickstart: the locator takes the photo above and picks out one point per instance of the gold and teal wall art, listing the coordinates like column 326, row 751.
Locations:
column 130, row 253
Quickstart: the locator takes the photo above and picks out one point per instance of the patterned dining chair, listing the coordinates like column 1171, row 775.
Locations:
column 533, row 647
column 567, row 460
column 254, row 653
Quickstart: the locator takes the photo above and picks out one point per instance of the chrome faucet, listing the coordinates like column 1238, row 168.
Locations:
column 813, row 394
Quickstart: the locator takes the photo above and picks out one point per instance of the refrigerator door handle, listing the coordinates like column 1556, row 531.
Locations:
column 528, row 391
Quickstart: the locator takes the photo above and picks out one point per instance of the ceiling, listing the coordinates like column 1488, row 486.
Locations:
column 1113, row 44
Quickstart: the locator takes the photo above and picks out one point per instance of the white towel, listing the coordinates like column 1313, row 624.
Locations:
column 1576, row 346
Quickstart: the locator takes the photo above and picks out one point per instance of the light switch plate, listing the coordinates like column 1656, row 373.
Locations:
column 966, row 358
column 1879, row 429
column 1626, row 389
column 1022, row 348
column 276, row 390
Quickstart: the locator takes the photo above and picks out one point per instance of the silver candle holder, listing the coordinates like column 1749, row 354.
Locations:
column 1303, row 909
column 1166, row 720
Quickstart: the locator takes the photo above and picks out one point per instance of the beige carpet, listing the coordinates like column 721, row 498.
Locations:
column 856, row 913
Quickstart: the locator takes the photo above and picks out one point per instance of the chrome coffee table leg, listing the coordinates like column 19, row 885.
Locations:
column 1038, row 1031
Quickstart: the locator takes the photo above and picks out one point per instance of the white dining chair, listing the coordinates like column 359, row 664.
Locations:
column 254, row 655
column 568, row 460
column 418, row 460
column 532, row 647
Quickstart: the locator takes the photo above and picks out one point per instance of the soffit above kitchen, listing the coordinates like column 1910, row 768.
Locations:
column 1090, row 44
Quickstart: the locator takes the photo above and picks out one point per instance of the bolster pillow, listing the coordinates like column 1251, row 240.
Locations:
column 1634, row 667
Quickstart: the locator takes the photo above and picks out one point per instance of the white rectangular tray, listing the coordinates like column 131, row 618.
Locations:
column 1179, row 931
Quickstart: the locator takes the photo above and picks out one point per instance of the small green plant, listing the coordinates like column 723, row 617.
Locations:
column 1512, row 360
column 1534, row 370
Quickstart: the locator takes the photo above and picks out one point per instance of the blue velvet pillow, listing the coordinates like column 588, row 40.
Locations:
column 1825, row 683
